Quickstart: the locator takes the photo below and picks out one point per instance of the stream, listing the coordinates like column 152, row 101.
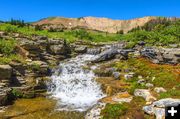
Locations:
column 72, row 91
column 73, row 85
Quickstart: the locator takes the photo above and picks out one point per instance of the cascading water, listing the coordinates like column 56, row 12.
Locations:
column 73, row 86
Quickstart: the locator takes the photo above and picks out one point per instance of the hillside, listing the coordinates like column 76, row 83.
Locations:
column 93, row 23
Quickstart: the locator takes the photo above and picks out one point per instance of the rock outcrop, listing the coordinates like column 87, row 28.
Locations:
column 162, row 55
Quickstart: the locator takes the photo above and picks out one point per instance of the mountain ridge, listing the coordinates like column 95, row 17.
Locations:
column 94, row 23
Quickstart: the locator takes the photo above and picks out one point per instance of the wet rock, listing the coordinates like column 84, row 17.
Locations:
column 93, row 51
column 95, row 112
column 116, row 75
column 159, row 90
column 157, row 108
column 5, row 72
column 145, row 94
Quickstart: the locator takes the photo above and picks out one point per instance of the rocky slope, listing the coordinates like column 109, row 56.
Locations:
column 93, row 23
column 118, row 69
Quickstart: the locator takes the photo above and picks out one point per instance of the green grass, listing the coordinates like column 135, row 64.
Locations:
column 12, row 57
column 7, row 46
column 164, row 75
column 7, row 49
column 159, row 35
column 172, row 93
column 114, row 111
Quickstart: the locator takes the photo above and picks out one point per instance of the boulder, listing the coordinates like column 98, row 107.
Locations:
column 106, row 55
column 145, row 94
column 129, row 75
column 159, row 90
column 157, row 108
column 116, row 75
column 149, row 85
column 141, row 81
column 5, row 72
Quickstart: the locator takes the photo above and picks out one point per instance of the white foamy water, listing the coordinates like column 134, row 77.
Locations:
column 73, row 86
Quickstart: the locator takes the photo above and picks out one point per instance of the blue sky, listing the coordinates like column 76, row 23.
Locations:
column 33, row 10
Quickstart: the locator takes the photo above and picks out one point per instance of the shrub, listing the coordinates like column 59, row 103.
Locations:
column 7, row 46
column 120, row 32
column 11, row 28
column 17, row 94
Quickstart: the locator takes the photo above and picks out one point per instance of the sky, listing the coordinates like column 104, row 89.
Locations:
column 33, row 10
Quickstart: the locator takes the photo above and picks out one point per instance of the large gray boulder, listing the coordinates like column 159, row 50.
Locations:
column 5, row 72
column 145, row 93
column 106, row 55
column 157, row 108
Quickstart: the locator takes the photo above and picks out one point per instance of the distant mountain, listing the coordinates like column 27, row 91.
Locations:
column 93, row 23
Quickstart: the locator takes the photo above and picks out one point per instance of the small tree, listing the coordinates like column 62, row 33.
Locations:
column 37, row 27
column 120, row 32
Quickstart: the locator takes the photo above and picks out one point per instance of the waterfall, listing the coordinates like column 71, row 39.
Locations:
column 74, row 86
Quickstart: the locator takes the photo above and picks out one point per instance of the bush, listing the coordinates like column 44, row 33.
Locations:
column 120, row 32
column 7, row 46
column 17, row 94
column 11, row 28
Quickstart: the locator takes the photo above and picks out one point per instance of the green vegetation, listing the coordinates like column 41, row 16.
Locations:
column 7, row 49
column 17, row 94
column 34, row 67
column 160, row 33
column 172, row 93
column 159, row 75
column 7, row 46
column 114, row 111
column 19, row 23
